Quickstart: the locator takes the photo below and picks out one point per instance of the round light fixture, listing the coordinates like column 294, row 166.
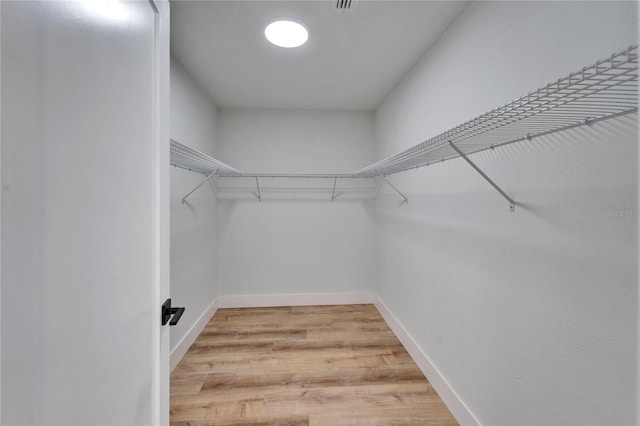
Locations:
column 286, row 34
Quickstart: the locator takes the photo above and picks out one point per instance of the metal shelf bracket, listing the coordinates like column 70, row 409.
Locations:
column 406, row 200
column 258, row 186
column 512, row 204
column 199, row 185
column 378, row 185
column 333, row 192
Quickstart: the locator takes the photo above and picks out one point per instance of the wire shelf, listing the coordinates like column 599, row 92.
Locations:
column 231, row 182
column 188, row 158
column 607, row 89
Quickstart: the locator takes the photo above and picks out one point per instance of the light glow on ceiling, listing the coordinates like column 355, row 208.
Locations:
column 286, row 34
column 107, row 10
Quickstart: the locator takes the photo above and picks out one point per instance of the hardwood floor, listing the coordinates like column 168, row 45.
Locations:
column 303, row 365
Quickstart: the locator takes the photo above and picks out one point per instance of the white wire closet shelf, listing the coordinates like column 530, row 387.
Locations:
column 188, row 158
column 607, row 89
column 604, row 90
column 232, row 183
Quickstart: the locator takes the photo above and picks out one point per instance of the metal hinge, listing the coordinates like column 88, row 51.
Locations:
column 168, row 312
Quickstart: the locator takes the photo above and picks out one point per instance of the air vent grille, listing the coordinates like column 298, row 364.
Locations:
column 344, row 5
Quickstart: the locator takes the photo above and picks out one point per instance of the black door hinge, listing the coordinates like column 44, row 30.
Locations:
column 168, row 312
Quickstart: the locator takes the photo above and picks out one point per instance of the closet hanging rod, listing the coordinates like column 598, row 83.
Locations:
column 295, row 175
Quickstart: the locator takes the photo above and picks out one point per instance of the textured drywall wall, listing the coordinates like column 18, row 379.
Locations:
column 302, row 244
column 193, row 224
column 530, row 316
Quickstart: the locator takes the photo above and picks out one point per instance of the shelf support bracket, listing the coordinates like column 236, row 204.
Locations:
column 258, row 186
column 378, row 186
column 200, row 184
column 406, row 200
column 512, row 204
column 333, row 193
column 214, row 189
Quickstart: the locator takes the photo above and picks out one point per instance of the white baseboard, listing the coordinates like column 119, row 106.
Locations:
column 306, row 299
column 448, row 396
column 181, row 348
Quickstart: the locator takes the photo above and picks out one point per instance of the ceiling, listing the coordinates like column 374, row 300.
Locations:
column 350, row 62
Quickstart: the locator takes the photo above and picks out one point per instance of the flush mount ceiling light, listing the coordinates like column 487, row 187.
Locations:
column 286, row 34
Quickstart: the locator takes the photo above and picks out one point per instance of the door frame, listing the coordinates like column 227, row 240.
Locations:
column 1, row 190
column 160, row 221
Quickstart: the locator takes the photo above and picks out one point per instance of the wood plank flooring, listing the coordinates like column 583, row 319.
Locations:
column 303, row 365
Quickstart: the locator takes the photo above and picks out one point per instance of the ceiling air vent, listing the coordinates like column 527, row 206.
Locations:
column 344, row 5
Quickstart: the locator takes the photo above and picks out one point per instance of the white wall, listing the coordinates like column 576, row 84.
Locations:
column 22, row 319
column 530, row 316
column 295, row 246
column 193, row 224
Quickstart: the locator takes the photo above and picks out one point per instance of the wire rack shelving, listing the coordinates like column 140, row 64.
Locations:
column 604, row 90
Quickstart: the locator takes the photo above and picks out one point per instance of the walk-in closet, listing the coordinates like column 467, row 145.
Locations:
column 332, row 212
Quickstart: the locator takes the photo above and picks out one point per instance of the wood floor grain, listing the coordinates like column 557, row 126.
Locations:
column 303, row 365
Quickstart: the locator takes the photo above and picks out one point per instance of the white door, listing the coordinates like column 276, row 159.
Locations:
column 84, row 235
